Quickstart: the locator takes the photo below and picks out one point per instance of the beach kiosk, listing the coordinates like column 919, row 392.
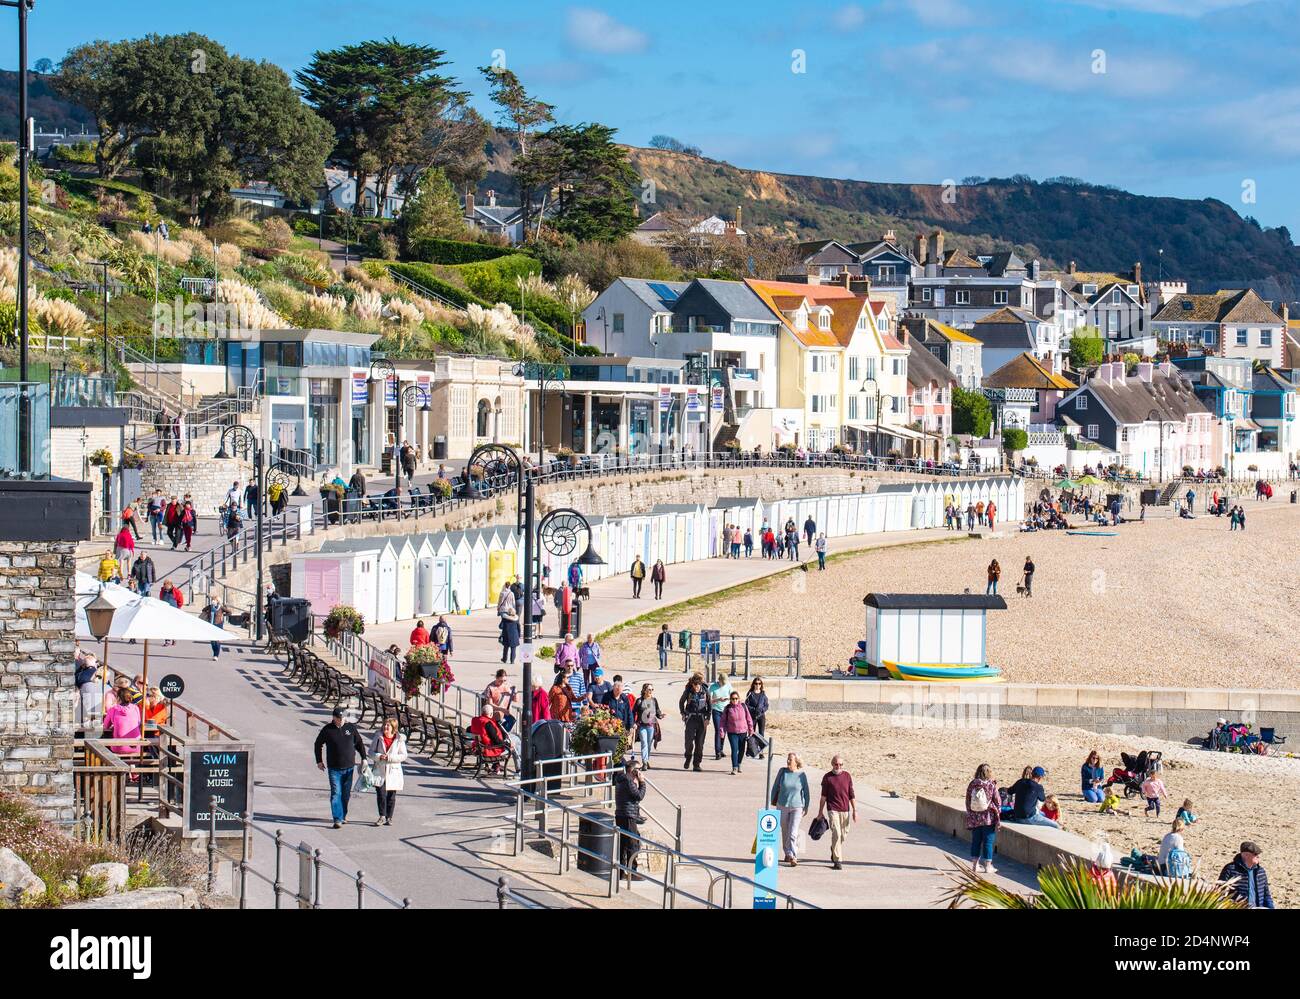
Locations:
column 933, row 637
column 345, row 571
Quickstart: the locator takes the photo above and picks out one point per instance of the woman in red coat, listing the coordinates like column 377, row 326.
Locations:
column 490, row 740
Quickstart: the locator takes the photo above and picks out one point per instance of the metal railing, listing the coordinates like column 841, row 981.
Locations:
column 311, row 867
column 533, row 822
column 428, row 293
column 741, row 655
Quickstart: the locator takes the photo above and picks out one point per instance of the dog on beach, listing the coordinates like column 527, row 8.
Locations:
column 1020, row 589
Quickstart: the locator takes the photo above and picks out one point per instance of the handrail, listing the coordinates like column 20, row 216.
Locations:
column 428, row 293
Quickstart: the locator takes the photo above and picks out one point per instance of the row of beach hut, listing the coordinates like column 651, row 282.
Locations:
column 398, row 578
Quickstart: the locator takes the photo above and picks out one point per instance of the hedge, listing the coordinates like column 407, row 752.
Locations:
column 452, row 251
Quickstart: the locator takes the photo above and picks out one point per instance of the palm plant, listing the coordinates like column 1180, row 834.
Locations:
column 1073, row 886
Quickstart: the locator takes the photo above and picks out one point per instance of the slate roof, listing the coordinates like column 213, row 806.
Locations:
column 645, row 291
column 923, row 367
column 738, row 299
column 1006, row 327
column 1026, row 371
column 928, row 330
column 1132, row 402
column 960, row 258
column 1221, row 307
column 1000, row 263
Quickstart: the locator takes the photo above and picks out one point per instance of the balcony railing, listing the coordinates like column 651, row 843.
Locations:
column 24, row 438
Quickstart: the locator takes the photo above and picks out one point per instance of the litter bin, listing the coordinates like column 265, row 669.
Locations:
column 1150, row 497
column 596, row 835
column 1293, row 495
column 440, row 448
column 291, row 616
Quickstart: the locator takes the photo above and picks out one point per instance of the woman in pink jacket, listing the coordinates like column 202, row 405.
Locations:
column 738, row 723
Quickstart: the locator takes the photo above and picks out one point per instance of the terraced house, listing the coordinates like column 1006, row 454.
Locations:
column 961, row 352
column 1115, row 304
column 1226, row 324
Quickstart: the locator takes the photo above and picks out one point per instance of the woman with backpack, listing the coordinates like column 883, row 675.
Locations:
column 983, row 816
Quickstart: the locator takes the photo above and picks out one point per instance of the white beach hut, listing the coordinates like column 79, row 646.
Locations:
column 386, row 583
column 461, row 570
column 478, row 571
column 406, row 563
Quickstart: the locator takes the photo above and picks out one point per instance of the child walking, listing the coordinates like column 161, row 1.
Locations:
column 1153, row 789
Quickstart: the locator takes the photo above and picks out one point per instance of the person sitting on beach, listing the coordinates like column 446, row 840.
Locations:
column 1185, row 814
column 1110, row 803
column 1051, row 809
column 1029, row 795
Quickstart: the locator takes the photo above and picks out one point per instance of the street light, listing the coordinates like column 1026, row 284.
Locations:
column 604, row 320
column 413, row 396
column 385, row 366
column 1155, row 415
column 875, row 385
column 103, row 266
column 26, row 130
column 242, row 442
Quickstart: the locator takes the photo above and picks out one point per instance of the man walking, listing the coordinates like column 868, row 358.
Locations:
column 157, row 504
column 696, row 712
column 820, row 548
column 664, row 644
column 719, row 697
column 1029, row 576
column 142, row 574
column 1248, row 881
column 638, row 577
column 838, row 807
column 342, row 743
column 809, row 528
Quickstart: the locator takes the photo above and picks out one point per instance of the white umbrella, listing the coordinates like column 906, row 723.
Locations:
column 143, row 618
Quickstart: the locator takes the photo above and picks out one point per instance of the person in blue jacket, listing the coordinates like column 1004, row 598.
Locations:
column 1092, row 776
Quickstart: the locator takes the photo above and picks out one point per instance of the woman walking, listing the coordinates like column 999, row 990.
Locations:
column 658, row 576
column 509, row 624
column 756, row 702
column 388, row 750
column 983, row 815
column 648, row 716
column 124, row 550
column 994, row 574
column 790, row 794
column 739, row 726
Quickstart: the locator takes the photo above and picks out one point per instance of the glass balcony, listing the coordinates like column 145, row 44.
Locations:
column 24, row 442
column 70, row 388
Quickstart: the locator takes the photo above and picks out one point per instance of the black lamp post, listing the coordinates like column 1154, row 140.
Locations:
column 413, row 396
column 875, row 385
column 103, row 273
column 242, row 442
column 25, row 140
column 389, row 373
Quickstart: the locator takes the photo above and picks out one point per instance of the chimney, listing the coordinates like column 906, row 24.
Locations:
column 1118, row 373
column 844, row 279
column 729, row 228
column 738, row 226
column 889, row 235
column 1137, row 273
column 1071, row 267
column 918, row 249
column 936, row 247
column 860, row 285
column 1034, row 270
column 469, row 204
column 1144, row 370
column 492, row 199
column 1166, row 368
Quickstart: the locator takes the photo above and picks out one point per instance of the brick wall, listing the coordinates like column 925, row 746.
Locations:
column 203, row 477
column 37, row 695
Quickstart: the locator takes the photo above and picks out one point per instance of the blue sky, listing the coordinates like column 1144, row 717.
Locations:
column 1192, row 98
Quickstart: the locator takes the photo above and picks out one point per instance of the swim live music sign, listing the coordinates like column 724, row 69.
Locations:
column 220, row 774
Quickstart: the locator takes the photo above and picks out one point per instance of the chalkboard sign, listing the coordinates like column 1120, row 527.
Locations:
column 220, row 770
column 171, row 686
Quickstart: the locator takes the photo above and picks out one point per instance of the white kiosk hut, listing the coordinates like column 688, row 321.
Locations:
column 928, row 636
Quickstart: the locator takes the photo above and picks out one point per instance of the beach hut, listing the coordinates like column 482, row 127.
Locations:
column 502, row 561
column 386, row 583
column 317, row 577
column 358, row 575
column 478, row 571
column 405, row 577
column 432, row 576
column 928, row 629
column 461, row 575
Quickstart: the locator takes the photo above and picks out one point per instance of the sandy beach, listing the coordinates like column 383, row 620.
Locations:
column 1165, row 603
column 1235, row 797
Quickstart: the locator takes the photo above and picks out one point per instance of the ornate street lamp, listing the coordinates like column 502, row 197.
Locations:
column 243, row 443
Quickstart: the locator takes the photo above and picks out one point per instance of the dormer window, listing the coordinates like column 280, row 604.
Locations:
column 824, row 319
column 1133, row 290
column 1090, row 289
column 1187, row 305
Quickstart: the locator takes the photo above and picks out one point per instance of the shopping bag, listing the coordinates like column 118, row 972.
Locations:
column 366, row 779
column 818, row 828
column 754, row 745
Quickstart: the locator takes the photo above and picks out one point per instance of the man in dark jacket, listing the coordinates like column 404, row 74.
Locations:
column 142, row 573
column 1249, row 880
column 809, row 528
column 341, row 742
column 696, row 711
column 629, row 789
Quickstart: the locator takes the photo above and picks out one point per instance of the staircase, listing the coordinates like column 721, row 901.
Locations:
column 424, row 292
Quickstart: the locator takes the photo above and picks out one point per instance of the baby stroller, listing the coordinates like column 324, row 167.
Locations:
column 1134, row 771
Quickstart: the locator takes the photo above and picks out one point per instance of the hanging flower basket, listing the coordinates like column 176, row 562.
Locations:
column 103, row 458
column 426, row 662
column 343, row 618
column 600, row 732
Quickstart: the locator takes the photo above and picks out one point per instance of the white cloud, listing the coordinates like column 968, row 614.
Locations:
column 1175, row 8
column 941, row 13
column 596, row 31
column 850, row 17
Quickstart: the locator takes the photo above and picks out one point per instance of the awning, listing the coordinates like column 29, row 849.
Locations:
column 888, row 430
column 1248, row 426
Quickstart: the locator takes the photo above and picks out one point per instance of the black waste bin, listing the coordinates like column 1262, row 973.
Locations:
column 595, row 833
column 440, row 448
column 291, row 616
column 1293, row 495
column 1150, row 496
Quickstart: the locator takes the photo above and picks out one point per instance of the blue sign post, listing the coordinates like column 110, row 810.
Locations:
column 767, row 845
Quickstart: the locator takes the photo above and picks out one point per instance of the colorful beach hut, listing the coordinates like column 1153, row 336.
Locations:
column 927, row 629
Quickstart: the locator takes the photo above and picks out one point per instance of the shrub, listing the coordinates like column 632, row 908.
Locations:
column 1014, row 439
column 277, row 233
column 546, row 652
column 431, row 250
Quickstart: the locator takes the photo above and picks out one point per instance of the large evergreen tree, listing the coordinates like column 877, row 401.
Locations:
column 522, row 114
column 597, row 199
column 394, row 113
